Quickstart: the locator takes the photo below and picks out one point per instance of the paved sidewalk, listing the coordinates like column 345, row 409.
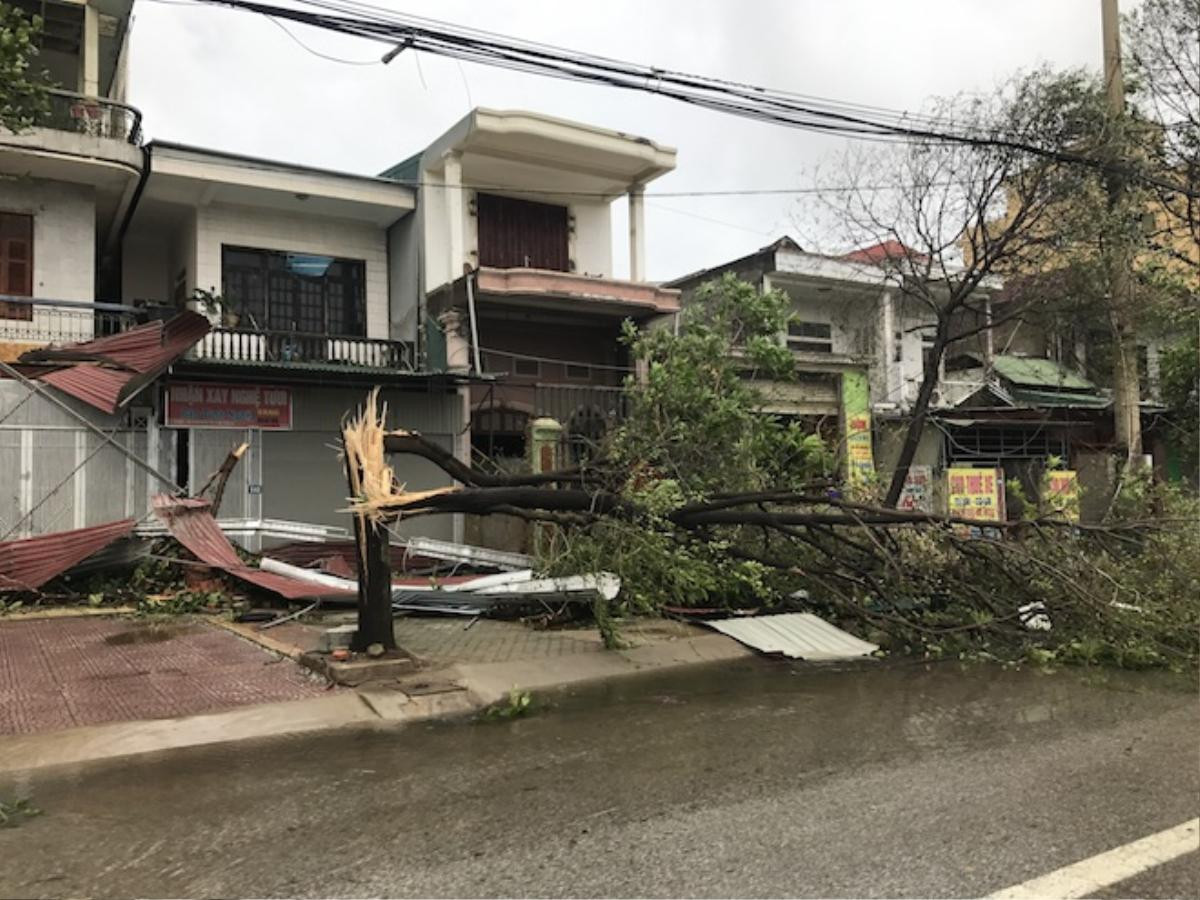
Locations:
column 63, row 673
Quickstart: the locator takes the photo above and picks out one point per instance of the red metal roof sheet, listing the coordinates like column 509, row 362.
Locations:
column 191, row 523
column 108, row 372
column 27, row 564
column 887, row 251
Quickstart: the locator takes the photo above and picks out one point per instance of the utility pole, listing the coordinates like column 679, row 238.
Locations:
column 1127, row 417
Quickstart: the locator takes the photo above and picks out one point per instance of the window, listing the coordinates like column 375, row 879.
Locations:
column 300, row 292
column 16, row 264
column 810, row 337
column 522, row 234
column 579, row 373
column 897, row 346
column 529, row 367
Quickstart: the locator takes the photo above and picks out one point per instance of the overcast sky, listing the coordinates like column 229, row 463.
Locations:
column 235, row 81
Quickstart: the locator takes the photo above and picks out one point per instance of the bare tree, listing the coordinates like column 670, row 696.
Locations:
column 1162, row 40
column 965, row 216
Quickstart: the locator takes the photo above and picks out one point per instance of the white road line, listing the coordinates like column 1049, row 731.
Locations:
column 1104, row 869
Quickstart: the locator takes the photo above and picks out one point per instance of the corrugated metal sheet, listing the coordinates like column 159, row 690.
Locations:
column 29, row 563
column 107, row 372
column 795, row 635
column 191, row 523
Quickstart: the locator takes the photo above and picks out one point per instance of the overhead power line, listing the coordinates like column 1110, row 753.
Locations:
column 735, row 98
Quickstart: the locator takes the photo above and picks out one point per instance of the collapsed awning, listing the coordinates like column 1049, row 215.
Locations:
column 191, row 523
column 108, row 372
column 27, row 564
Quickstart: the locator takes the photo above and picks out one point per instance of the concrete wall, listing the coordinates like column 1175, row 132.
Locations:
column 404, row 285
column 888, row 438
column 146, row 267
column 592, row 241
column 64, row 235
column 263, row 229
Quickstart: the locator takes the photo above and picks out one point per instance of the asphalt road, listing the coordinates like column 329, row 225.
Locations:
column 749, row 780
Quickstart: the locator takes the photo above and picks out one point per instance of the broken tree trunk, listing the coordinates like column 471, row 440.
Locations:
column 218, row 479
column 375, row 622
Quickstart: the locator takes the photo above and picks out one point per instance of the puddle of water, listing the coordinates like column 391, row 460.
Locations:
column 149, row 634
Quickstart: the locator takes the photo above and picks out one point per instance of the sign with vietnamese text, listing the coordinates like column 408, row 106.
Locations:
column 1062, row 493
column 976, row 494
column 856, row 414
column 917, row 495
column 204, row 405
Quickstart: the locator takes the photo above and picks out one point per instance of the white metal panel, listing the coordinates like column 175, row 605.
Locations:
column 795, row 635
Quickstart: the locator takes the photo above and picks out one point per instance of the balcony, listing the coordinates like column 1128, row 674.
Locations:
column 235, row 345
column 31, row 322
column 93, row 116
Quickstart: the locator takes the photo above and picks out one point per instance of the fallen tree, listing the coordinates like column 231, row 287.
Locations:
column 701, row 499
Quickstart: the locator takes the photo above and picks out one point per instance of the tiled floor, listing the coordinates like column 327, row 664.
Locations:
column 61, row 673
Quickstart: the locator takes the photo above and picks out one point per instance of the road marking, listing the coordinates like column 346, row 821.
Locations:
column 1104, row 869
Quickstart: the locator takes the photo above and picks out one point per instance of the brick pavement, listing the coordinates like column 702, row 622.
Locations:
column 62, row 673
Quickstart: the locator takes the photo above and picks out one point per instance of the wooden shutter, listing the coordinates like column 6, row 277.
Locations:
column 522, row 234
column 16, row 264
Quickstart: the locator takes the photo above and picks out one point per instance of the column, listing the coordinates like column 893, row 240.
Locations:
column 89, row 76
column 637, row 233
column 453, row 194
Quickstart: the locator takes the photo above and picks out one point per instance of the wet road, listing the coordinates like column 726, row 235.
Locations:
column 754, row 779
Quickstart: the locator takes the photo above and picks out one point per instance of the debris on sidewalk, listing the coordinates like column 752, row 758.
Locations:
column 191, row 523
column 465, row 553
column 28, row 563
column 794, row 635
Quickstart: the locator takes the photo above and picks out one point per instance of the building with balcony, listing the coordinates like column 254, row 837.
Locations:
column 102, row 233
column 512, row 238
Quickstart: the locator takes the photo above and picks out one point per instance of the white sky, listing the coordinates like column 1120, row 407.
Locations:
column 234, row 81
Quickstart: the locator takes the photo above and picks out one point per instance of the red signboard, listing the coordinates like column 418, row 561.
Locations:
column 204, row 405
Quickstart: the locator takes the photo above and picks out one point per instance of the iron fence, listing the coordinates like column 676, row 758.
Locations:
column 34, row 320
column 95, row 116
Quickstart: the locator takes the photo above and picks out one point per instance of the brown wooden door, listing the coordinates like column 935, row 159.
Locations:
column 16, row 263
column 521, row 234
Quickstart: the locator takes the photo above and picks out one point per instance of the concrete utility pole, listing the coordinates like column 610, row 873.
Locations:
column 1127, row 419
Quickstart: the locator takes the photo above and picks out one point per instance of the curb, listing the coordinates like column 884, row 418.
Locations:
column 458, row 691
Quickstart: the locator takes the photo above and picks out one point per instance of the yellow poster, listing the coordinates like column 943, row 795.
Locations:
column 1062, row 494
column 976, row 494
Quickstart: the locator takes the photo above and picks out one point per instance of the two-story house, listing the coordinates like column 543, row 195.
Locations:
column 512, row 240
column 860, row 342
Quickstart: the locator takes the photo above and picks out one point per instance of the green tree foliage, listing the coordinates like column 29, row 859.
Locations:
column 23, row 97
column 697, row 431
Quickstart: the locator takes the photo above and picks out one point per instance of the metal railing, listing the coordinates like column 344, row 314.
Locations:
column 40, row 321
column 230, row 345
column 95, row 116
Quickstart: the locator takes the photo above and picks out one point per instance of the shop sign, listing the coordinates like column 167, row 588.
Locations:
column 917, row 495
column 976, row 494
column 1062, row 493
column 205, row 405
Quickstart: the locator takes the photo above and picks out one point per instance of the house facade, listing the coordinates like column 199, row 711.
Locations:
column 473, row 284
column 1012, row 400
column 513, row 241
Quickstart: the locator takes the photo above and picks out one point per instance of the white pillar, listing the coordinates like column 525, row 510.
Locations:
column 89, row 76
column 455, row 237
column 458, row 349
column 637, row 233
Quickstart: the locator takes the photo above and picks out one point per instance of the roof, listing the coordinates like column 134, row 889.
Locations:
column 796, row 635
column 27, row 564
column 191, row 523
column 885, row 251
column 1059, row 399
column 1039, row 373
column 108, row 372
column 193, row 149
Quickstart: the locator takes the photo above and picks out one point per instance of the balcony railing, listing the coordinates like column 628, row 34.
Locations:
column 38, row 321
column 95, row 116
column 234, row 345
